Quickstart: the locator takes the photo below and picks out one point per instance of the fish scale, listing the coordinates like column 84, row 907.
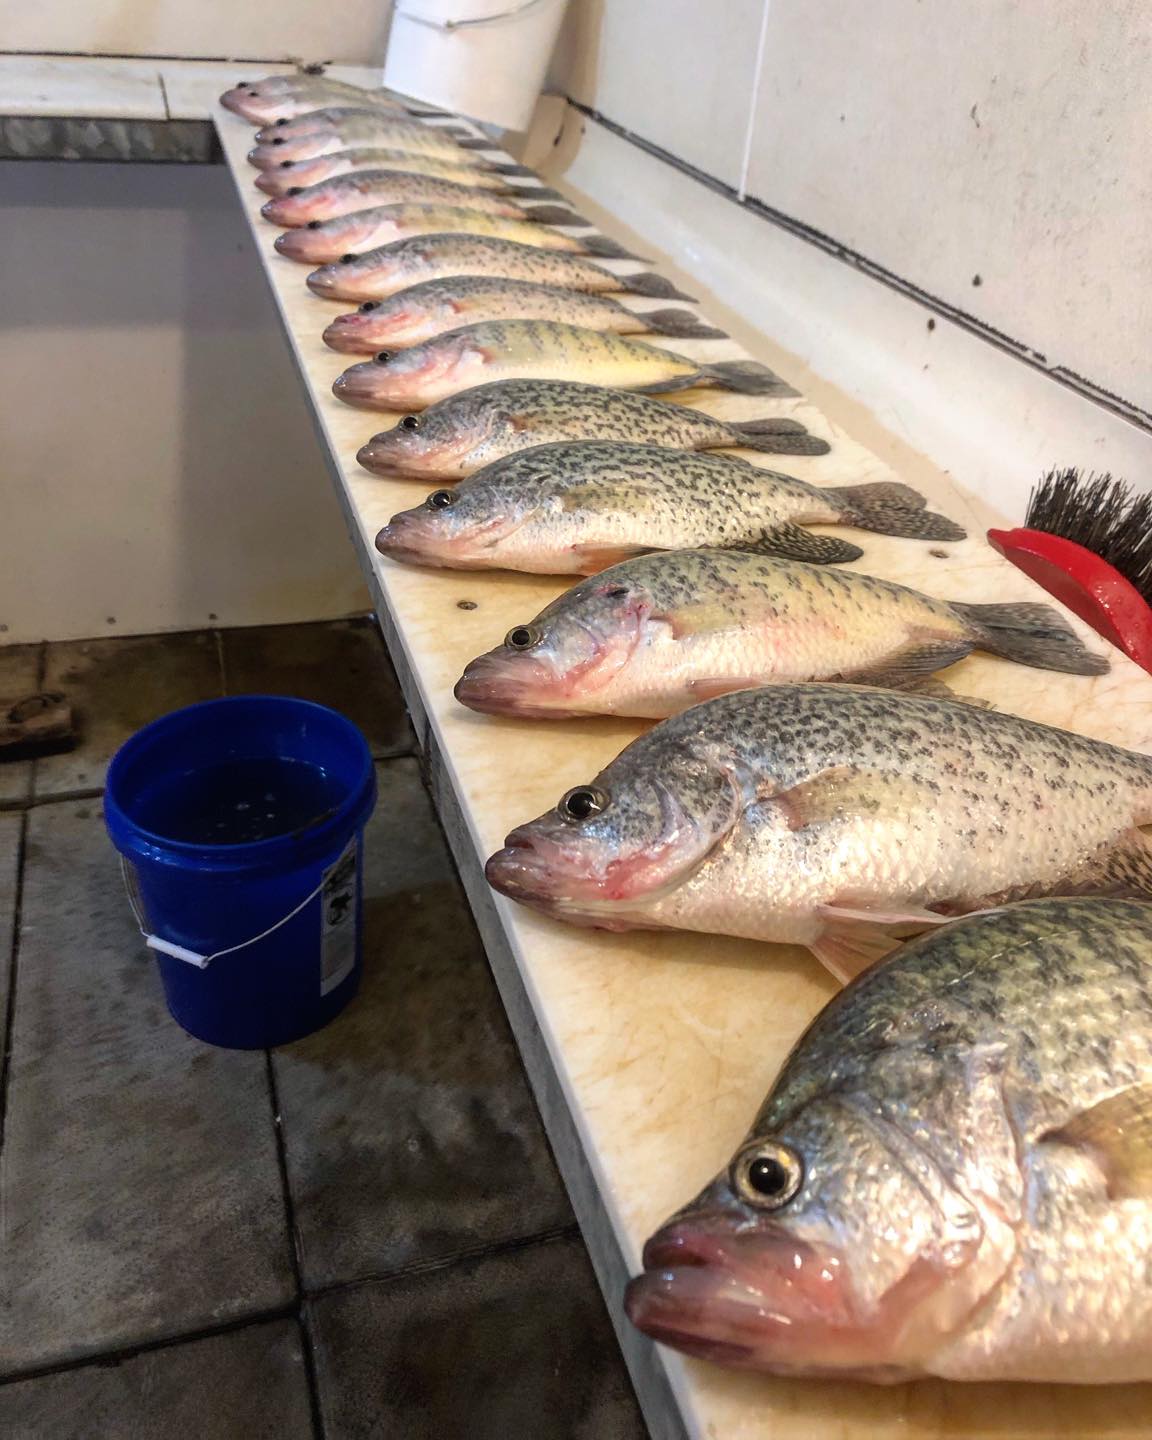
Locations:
column 837, row 817
column 969, row 1113
column 459, row 435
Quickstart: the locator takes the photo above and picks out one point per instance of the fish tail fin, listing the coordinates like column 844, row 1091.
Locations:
column 746, row 377
column 519, row 170
column 553, row 215
column 680, row 322
column 1036, row 635
column 606, row 249
column 534, row 192
column 652, row 285
column 777, row 437
column 889, row 508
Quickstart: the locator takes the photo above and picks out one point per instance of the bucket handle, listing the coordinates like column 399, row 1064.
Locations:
column 192, row 957
column 512, row 13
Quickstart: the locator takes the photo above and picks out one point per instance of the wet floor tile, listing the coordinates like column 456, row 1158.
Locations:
column 19, row 674
column 410, row 1131
column 340, row 663
column 517, row 1344
column 140, row 1189
column 248, row 1383
column 115, row 687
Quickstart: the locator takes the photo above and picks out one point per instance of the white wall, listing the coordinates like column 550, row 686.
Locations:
column 943, row 141
column 156, row 460
column 353, row 30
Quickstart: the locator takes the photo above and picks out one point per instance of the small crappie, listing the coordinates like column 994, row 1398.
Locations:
column 378, row 273
column 834, row 816
column 322, row 241
column 577, row 508
column 951, row 1175
column 459, row 435
column 368, row 189
column 359, row 127
column 324, row 117
column 659, row 633
column 290, row 175
column 424, row 311
column 284, row 97
column 536, row 350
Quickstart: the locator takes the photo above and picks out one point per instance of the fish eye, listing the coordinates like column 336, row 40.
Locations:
column 347, row 259
column 382, row 357
column 286, row 164
column 410, row 422
column 314, row 224
column 281, row 121
column 254, row 94
column 440, row 499
column 581, row 803
column 767, row 1175
column 367, row 308
column 295, row 190
column 277, row 140
column 523, row 637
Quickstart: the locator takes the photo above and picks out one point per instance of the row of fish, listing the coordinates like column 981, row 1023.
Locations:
column 951, row 1174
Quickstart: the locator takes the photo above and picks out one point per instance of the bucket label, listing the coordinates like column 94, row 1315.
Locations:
column 338, row 923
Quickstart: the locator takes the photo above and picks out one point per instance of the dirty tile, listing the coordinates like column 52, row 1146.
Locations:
column 410, row 1131
column 341, row 663
column 140, row 1189
column 19, row 672
column 10, row 826
column 115, row 687
column 519, row 1343
column 249, row 1382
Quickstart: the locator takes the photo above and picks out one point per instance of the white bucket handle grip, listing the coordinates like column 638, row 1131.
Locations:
column 192, row 957
column 513, row 13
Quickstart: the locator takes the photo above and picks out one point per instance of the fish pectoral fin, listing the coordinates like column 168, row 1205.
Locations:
column 851, row 940
column 594, row 558
column 793, row 542
column 697, row 618
column 1118, row 1132
column 708, row 687
column 842, row 791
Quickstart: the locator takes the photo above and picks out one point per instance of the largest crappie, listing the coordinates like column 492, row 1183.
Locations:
column 952, row 1175
column 836, row 817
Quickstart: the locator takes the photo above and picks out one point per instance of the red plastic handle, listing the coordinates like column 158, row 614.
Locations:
column 1087, row 585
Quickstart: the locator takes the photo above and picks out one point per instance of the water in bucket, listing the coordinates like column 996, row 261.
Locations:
column 242, row 823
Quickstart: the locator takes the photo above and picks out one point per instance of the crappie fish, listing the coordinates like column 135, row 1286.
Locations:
column 327, row 240
column 325, row 117
column 536, row 350
column 379, row 273
column 951, row 1175
column 291, row 175
column 369, row 189
column 659, row 633
column 343, row 129
column 576, row 509
column 460, row 435
column 836, row 817
column 427, row 310
column 283, row 97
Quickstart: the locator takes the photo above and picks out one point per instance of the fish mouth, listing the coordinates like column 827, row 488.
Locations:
column 301, row 245
column 366, row 386
column 287, row 210
column 358, row 334
column 503, row 682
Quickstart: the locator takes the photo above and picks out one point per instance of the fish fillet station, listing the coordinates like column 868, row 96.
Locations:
column 950, row 1177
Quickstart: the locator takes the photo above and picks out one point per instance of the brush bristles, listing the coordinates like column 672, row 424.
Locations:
column 1100, row 513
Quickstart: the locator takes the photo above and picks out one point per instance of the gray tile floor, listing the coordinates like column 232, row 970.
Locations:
column 359, row 1235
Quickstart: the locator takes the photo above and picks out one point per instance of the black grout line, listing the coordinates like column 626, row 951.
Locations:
column 306, row 1346
column 1087, row 389
column 147, row 1347
column 13, row 971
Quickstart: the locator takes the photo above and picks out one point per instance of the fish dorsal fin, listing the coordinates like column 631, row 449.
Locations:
column 845, row 790
column 1118, row 1131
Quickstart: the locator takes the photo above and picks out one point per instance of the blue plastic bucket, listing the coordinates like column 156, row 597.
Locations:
column 241, row 824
